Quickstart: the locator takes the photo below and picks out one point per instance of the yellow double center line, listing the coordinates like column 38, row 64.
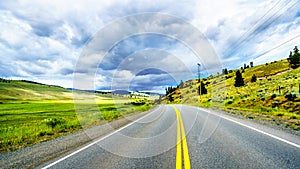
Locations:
column 181, row 144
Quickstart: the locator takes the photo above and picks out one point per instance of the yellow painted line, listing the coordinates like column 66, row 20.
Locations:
column 181, row 140
column 178, row 148
column 187, row 164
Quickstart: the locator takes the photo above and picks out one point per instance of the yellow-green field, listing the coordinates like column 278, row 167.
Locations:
column 32, row 113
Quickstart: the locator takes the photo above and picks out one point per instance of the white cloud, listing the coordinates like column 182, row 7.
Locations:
column 45, row 38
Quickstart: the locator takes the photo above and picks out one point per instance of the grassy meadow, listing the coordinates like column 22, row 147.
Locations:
column 31, row 113
column 274, row 97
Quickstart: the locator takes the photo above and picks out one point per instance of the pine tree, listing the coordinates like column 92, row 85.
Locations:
column 181, row 84
column 251, row 64
column 225, row 71
column 296, row 50
column 203, row 89
column 294, row 59
column 239, row 80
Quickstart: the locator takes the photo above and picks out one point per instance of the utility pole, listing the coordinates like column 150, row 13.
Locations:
column 199, row 80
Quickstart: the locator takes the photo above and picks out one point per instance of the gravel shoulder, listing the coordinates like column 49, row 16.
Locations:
column 35, row 155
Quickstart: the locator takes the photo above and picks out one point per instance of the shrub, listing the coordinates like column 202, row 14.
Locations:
column 250, row 116
column 228, row 77
column 52, row 122
column 253, row 79
column 230, row 101
column 260, row 90
column 290, row 96
column 273, row 96
column 42, row 133
column 275, row 104
column 279, row 114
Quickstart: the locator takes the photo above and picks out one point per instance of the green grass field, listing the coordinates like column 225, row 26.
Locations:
column 27, row 109
column 261, row 100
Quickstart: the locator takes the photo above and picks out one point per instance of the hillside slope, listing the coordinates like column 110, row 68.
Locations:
column 273, row 97
column 20, row 90
column 31, row 112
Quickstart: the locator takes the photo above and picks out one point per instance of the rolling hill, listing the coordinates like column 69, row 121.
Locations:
column 274, row 97
column 22, row 90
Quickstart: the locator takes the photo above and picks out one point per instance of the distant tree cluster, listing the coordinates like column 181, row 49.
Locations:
column 4, row 80
column 170, row 89
column 246, row 66
column 294, row 58
column 32, row 82
column 224, row 71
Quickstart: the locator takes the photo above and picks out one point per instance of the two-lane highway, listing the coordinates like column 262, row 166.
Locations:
column 176, row 136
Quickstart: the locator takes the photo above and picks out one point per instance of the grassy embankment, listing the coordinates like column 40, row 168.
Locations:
column 27, row 110
column 261, row 100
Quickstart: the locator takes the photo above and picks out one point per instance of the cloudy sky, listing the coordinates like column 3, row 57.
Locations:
column 54, row 41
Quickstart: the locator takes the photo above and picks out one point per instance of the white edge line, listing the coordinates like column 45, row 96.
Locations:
column 255, row 129
column 95, row 142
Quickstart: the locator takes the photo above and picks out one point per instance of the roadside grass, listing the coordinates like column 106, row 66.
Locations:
column 25, row 109
column 23, row 124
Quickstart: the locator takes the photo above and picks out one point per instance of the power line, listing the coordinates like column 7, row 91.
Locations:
column 245, row 33
column 267, row 51
column 254, row 29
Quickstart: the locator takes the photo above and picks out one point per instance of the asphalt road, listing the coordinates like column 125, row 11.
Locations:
column 186, row 137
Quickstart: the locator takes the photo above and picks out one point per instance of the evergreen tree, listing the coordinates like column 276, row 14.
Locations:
column 251, row 64
column 203, row 89
column 239, row 80
column 225, row 71
column 296, row 50
column 294, row 59
column 181, row 84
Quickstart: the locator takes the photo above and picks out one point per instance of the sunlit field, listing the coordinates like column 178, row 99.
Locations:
column 32, row 113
